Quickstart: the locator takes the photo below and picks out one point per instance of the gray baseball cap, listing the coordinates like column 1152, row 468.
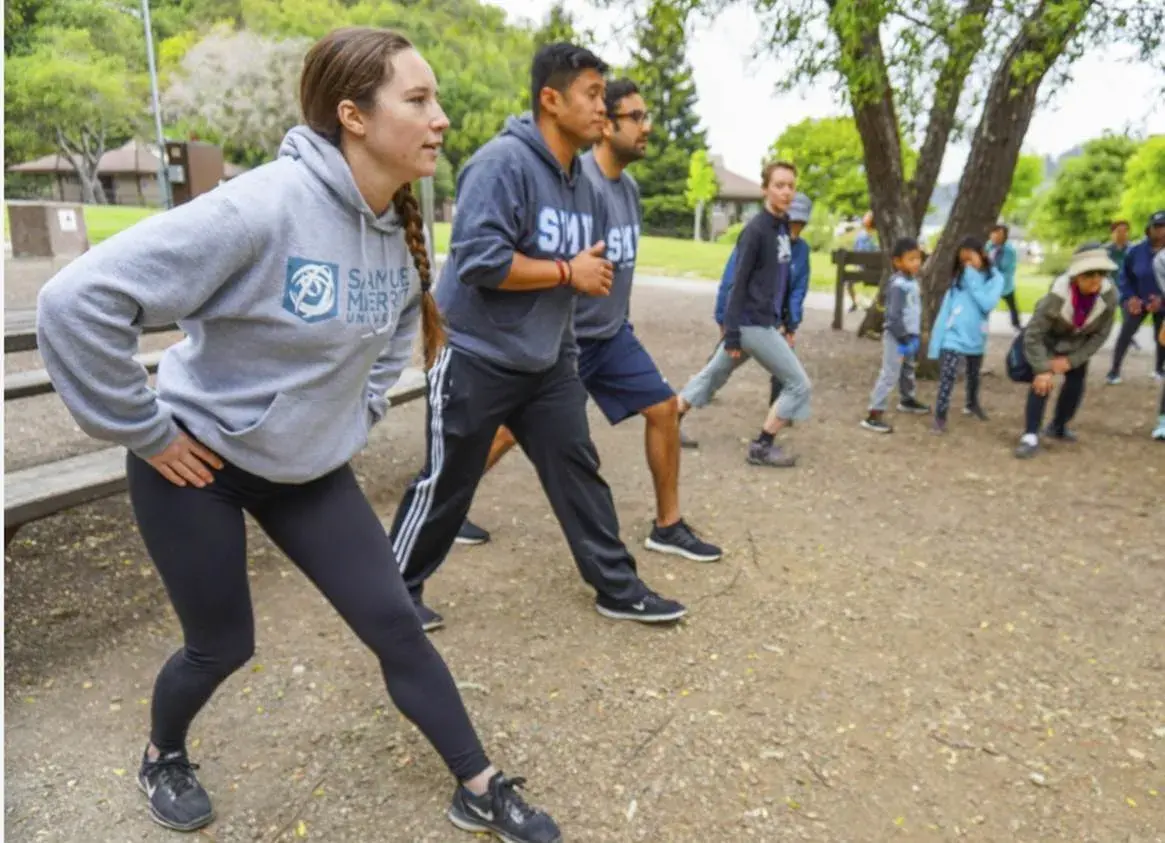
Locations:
column 800, row 208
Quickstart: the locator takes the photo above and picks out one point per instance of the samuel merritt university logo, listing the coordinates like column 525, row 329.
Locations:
column 309, row 290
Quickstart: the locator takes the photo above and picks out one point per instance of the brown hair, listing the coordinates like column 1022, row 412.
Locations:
column 772, row 167
column 353, row 63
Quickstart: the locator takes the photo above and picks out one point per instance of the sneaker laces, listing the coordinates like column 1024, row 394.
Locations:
column 175, row 772
column 506, row 792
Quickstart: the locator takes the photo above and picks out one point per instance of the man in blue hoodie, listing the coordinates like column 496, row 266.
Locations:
column 1140, row 296
column 615, row 368
column 527, row 239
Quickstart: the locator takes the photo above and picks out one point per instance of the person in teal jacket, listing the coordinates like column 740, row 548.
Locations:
column 1005, row 259
column 960, row 330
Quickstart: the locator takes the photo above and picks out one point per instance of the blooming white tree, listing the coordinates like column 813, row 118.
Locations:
column 240, row 86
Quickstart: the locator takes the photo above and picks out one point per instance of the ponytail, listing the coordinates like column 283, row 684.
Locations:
column 432, row 325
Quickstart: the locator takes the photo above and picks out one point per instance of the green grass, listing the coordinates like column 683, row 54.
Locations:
column 657, row 255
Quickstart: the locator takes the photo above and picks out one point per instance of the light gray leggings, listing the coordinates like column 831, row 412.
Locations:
column 767, row 347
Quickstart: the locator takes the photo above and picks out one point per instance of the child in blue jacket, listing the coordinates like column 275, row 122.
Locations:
column 1004, row 258
column 960, row 331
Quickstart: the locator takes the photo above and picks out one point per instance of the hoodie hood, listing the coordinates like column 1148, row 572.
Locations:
column 525, row 129
column 324, row 161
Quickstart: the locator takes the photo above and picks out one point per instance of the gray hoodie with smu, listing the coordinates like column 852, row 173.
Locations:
column 299, row 305
column 514, row 196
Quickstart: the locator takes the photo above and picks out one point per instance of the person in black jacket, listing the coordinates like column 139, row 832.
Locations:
column 751, row 320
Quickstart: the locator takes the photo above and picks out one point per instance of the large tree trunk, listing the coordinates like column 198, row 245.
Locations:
column 1007, row 113
column 85, row 154
column 906, row 207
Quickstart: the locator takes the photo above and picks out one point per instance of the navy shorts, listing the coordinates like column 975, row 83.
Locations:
column 620, row 375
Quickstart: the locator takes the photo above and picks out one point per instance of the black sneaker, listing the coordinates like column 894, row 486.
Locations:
column 503, row 813
column 687, row 441
column 975, row 411
column 430, row 620
column 913, row 405
column 650, row 608
column 1063, row 434
column 877, row 424
column 471, row 534
column 678, row 539
column 177, row 800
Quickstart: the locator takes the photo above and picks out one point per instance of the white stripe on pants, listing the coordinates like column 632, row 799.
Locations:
column 770, row 350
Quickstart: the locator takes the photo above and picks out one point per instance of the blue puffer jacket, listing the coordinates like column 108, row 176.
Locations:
column 798, row 286
column 1136, row 273
column 961, row 325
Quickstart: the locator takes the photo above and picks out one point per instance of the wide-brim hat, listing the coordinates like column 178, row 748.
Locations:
column 1092, row 259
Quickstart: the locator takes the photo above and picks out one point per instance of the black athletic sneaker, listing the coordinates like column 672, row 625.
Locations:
column 650, row 608
column 913, row 405
column 430, row 620
column 975, row 411
column 877, row 423
column 771, row 455
column 471, row 534
column 503, row 813
column 177, row 800
column 687, row 441
column 678, row 539
column 1064, row 434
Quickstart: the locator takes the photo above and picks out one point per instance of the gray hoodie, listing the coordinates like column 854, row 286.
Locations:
column 514, row 196
column 300, row 308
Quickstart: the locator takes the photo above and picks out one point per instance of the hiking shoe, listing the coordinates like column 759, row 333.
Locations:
column 877, row 424
column 1112, row 379
column 650, row 608
column 975, row 411
column 687, row 441
column 1029, row 446
column 771, row 455
column 913, row 405
column 503, row 813
column 176, row 798
column 1063, row 434
column 471, row 534
column 430, row 620
column 679, row 540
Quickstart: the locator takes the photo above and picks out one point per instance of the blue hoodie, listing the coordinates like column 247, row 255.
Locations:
column 794, row 307
column 962, row 321
column 1136, row 276
column 1006, row 260
column 299, row 305
column 514, row 196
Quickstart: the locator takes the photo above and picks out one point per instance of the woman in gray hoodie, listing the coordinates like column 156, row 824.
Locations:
column 300, row 287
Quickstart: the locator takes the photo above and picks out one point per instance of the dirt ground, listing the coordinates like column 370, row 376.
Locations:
column 909, row 638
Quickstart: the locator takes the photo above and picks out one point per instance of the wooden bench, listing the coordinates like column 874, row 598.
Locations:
column 20, row 329
column 854, row 268
column 43, row 490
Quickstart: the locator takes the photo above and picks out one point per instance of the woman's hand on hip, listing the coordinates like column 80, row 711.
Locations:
column 185, row 461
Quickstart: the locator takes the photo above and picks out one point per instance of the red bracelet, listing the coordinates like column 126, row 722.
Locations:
column 565, row 273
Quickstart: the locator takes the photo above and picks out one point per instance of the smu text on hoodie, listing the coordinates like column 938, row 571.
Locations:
column 514, row 196
column 300, row 308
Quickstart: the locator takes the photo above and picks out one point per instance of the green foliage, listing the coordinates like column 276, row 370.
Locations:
column 1086, row 193
column 829, row 159
column 1029, row 175
column 660, row 68
column 1144, row 182
column 731, row 234
column 819, row 232
column 559, row 25
column 702, row 184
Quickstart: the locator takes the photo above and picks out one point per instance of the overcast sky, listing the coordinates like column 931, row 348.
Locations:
column 743, row 115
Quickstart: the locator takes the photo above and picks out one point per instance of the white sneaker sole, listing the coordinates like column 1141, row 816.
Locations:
column 466, row 824
column 617, row 615
column 160, row 820
column 865, row 424
column 469, row 542
column 660, row 547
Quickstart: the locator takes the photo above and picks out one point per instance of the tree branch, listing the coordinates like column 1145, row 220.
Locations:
column 965, row 41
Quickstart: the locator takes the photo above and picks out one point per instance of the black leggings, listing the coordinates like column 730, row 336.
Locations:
column 1013, row 308
column 948, row 372
column 327, row 528
column 1068, row 402
column 1124, row 339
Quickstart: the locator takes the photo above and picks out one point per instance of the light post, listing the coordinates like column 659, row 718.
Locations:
column 163, row 172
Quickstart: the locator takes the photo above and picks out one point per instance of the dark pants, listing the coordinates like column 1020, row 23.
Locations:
column 1013, row 308
column 948, row 373
column 469, row 398
column 1129, row 327
column 327, row 528
column 1068, row 402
